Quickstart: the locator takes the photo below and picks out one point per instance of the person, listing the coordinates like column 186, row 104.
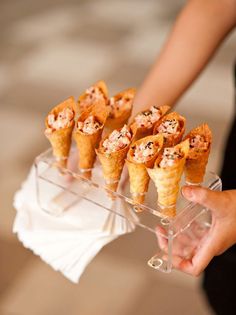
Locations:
column 200, row 28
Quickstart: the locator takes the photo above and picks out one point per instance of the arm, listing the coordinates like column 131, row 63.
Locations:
column 198, row 31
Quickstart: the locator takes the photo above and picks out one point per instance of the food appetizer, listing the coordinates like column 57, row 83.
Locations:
column 87, row 135
column 172, row 127
column 59, row 126
column 166, row 174
column 120, row 107
column 144, row 121
column 150, row 146
column 97, row 94
column 200, row 140
column 142, row 154
column 112, row 152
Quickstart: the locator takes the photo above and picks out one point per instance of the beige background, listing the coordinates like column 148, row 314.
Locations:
column 51, row 49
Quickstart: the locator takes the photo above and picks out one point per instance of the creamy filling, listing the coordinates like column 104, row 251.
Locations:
column 62, row 120
column 170, row 156
column 117, row 140
column 117, row 104
column 92, row 94
column 89, row 126
column 198, row 144
column 169, row 127
column 148, row 117
column 144, row 152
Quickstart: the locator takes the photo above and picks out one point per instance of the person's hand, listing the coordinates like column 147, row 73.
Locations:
column 221, row 234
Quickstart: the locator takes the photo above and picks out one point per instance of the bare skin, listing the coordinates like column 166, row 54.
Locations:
column 222, row 233
column 197, row 33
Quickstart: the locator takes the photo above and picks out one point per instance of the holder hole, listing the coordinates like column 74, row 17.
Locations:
column 155, row 262
column 137, row 209
column 165, row 221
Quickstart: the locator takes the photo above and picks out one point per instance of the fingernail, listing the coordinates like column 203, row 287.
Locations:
column 187, row 192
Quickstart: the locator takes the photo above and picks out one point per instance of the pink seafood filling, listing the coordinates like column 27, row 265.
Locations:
column 92, row 94
column 169, row 157
column 89, row 126
column 148, row 118
column 198, row 143
column 63, row 119
column 144, row 152
column 116, row 105
column 117, row 140
column 168, row 127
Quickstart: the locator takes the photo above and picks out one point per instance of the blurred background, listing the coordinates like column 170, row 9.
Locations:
column 49, row 50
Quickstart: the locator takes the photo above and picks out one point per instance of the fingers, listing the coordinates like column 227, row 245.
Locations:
column 184, row 244
column 204, row 253
column 184, row 265
column 208, row 247
column 213, row 200
column 220, row 236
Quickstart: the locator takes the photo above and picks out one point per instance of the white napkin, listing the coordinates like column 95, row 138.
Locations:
column 70, row 241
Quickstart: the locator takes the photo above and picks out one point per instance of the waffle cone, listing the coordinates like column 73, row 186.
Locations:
column 141, row 132
column 196, row 162
column 86, row 143
column 139, row 180
column 61, row 139
column 168, row 212
column 167, row 180
column 174, row 139
column 138, row 175
column 112, row 165
column 103, row 88
column 120, row 117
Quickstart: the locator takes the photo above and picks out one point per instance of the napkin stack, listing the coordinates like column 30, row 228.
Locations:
column 70, row 241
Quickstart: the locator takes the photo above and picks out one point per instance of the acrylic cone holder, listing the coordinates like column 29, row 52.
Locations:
column 63, row 191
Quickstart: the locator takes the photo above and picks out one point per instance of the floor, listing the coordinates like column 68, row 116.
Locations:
column 52, row 49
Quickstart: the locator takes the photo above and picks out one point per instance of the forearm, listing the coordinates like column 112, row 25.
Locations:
column 198, row 31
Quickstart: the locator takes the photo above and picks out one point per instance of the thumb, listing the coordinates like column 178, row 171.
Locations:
column 213, row 200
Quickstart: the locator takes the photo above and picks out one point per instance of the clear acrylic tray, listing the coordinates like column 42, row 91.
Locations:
column 64, row 191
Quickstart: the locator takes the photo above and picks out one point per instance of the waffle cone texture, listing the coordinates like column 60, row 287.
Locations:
column 141, row 132
column 112, row 164
column 138, row 175
column 121, row 116
column 103, row 88
column 87, row 143
column 61, row 139
column 196, row 162
column 174, row 139
column 167, row 180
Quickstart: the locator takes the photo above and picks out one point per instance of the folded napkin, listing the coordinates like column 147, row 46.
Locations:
column 70, row 241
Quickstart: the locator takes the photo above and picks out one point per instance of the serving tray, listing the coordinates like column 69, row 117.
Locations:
column 63, row 192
